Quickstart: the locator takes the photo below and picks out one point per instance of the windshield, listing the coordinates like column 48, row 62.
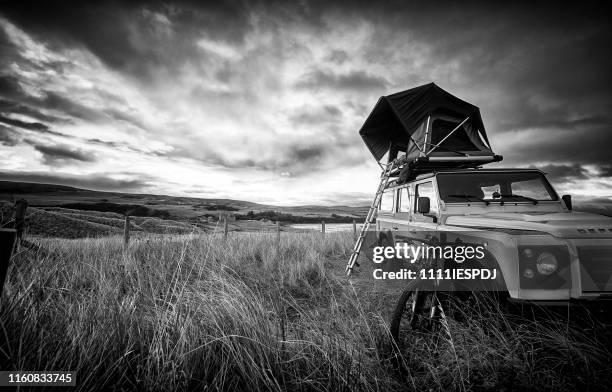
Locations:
column 495, row 186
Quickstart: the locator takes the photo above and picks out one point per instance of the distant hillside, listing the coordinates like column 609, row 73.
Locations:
column 34, row 188
column 189, row 209
column 53, row 193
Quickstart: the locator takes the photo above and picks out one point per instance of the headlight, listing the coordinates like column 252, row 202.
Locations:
column 546, row 263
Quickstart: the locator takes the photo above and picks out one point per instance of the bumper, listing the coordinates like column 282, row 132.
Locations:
column 600, row 302
column 588, row 313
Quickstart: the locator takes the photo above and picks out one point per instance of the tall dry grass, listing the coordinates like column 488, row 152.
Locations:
column 196, row 311
column 178, row 312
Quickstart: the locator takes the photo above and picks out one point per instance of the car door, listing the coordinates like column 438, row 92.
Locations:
column 403, row 208
column 402, row 213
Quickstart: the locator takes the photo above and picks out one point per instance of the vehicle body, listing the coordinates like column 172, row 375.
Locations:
column 523, row 221
column 435, row 145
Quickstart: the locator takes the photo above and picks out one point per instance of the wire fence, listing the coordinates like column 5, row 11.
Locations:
column 61, row 222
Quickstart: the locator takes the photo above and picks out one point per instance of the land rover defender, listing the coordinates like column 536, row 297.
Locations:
column 432, row 148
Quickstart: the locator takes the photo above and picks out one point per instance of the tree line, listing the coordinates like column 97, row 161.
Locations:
column 284, row 217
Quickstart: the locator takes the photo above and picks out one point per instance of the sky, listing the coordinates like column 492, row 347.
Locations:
column 263, row 101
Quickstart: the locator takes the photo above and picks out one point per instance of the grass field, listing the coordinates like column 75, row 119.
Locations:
column 197, row 312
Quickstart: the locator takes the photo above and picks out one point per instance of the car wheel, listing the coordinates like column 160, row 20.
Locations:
column 413, row 312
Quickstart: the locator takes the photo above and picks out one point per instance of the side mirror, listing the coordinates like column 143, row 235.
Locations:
column 423, row 206
column 567, row 199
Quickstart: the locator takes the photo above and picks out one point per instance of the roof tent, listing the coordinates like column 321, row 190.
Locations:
column 428, row 126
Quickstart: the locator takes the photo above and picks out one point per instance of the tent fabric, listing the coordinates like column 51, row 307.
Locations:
column 412, row 121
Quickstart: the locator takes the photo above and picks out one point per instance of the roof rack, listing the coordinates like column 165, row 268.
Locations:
column 408, row 169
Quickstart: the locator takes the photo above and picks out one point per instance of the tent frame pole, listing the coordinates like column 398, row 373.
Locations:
column 426, row 134
column 416, row 144
column 447, row 136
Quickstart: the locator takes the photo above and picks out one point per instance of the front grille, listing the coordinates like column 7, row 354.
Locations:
column 594, row 230
column 595, row 268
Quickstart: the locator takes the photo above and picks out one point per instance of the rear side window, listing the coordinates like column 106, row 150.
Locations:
column 386, row 203
column 426, row 189
column 404, row 200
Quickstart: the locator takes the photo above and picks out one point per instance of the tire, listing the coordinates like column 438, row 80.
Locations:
column 410, row 312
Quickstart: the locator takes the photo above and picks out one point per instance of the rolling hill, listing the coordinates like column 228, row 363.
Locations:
column 63, row 211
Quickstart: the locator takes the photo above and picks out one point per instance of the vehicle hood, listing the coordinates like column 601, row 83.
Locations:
column 568, row 224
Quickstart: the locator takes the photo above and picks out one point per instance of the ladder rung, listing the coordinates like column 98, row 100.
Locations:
column 384, row 180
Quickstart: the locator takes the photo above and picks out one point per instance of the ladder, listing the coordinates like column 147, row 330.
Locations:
column 384, row 180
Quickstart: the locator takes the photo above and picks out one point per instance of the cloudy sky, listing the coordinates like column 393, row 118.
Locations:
column 263, row 101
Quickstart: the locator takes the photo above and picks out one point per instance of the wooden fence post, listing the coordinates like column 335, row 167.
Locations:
column 278, row 230
column 225, row 226
column 7, row 243
column 323, row 229
column 126, row 232
column 21, row 206
column 354, row 230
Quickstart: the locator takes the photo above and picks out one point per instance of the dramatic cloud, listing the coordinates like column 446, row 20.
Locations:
column 16, row 108
column 54, row 155
column 263, row 101
column 605, row 171
column 356, row 80
column 316, row 115
column 562, row 173
column 8, row 137
column 33, row 126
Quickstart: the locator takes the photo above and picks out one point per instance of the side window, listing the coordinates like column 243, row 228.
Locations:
column 386, row 202
column 426, row 189
column 404, row 200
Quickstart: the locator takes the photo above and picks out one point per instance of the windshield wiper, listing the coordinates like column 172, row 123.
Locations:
column 468, row 197
column 535, row 201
